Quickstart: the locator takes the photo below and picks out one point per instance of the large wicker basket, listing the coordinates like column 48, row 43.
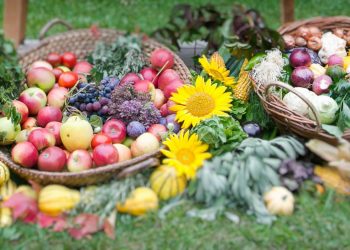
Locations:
column 286, row 119
column 82, row 42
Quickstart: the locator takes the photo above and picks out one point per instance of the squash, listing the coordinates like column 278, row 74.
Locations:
column 5, row 217
column 139, row 202
column 7, row 189
column 27, row 191
column 56, row 199
column 4, row 173
column 167, row 183
column 279, row 201
column 332, row 178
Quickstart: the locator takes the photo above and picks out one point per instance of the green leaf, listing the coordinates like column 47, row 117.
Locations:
column 96, row 121
column 333, row 130
column 344, row 117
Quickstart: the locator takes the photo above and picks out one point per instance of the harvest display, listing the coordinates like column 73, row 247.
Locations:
column 218, row 148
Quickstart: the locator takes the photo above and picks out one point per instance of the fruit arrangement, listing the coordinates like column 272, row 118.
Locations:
column 72, row 121
column 319, row 74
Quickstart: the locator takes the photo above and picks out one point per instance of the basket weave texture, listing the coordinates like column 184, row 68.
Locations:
column 82, row 42
column 286, row 119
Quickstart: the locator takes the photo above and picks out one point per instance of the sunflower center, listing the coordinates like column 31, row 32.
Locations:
column 200, row 104
column 185, row 156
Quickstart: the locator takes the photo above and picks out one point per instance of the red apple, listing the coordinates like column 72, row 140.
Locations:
column 55, row 128
column 162, row 58
column 169, row 104
column 25, row 154
column 34, row 99
column 54, row 59
column 41, row 138
column 69, row 59
column 164, row 110
column 67, row 154
column 159, row 98
column 29, row 123
column 172, row 88
column 143, row 86
column 24, row 134
column 40, row 64
column 57, row 72
column 42, row 78
column 158, row 130
column 79, row 160
column 150, row 74
column 135, row 151
column 123, row 152
column 115, row 129
column 57, row 97
column 105, row 154
column 130, row 77
column 82, row 67
column 166, row 77
column 99, row 139
column 52, row 159
column 49, row 114
column 22, row 109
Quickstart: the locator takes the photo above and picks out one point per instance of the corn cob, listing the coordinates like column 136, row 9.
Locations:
column 243, row 85
column 216, row 57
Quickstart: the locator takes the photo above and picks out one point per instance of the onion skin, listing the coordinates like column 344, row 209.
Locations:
column 300, row 57
column 302, row 77
column 314, row 43
column 315, row 31
column 300, row 42
column 335, row 60
column 338, row 32
column 303, row 32
column 321, row 84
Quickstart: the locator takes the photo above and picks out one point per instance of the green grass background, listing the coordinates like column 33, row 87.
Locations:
column 319, row 223
column 150, row 14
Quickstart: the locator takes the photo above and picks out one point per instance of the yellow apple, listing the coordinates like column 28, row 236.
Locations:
column 76, row 133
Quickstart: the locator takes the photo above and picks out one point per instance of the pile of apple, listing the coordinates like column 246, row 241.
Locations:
column 44, row 142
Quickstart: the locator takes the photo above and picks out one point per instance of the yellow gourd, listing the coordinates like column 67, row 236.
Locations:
column 167, row 183
column 7, row 189
column 5, row 217
column 4, row 173
column 139, row 202
column 332, row 178
column 56, row 199
column 279, row 201
column 243, row 86
column 27, row 191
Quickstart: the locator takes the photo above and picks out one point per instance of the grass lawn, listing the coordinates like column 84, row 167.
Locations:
column 319, row 223
column 150, row 14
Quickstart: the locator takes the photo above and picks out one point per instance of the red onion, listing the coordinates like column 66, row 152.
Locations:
column 335, row 60
column 302, row 77
column 300, row 57
column 321, row 84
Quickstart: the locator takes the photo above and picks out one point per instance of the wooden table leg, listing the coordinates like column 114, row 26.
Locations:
column 287, row 11
column 15, row 15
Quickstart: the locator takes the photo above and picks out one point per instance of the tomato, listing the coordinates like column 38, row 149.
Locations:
column 54, row 59
column 69, row 59
column 99, row 139
column 68, row 79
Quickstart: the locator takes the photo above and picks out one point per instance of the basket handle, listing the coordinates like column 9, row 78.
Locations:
column 150, row 162
column 51, row 24
column 302, row 97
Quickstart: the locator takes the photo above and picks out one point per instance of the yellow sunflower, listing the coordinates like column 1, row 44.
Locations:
column 215, row 67
column 185, row 153
column 194, row 103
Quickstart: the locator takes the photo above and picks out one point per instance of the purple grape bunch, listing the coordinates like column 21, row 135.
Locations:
column 93, row 99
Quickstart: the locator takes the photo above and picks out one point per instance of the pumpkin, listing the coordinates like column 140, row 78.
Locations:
column 5, row 217
column 7, row 189
column 27, row 191
column 332, row 178
column 166, row 182
column 139, row 202
column 56, row 199
column 279, row 201
column 4, row 173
